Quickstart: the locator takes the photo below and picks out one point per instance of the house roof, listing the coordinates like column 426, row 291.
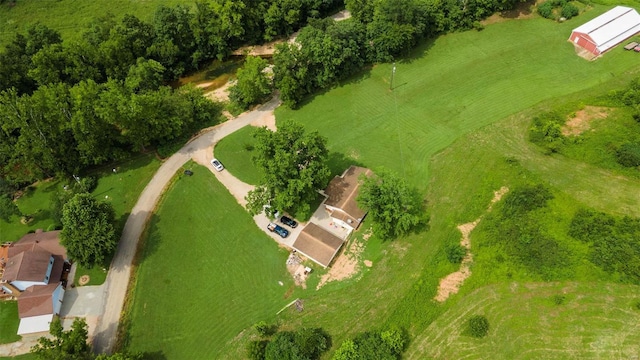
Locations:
column 35, row 324
column 318, row 244
column 47, row 241
column 612, row 27
column 36, row 300
column 343, row 191
column 27, row 266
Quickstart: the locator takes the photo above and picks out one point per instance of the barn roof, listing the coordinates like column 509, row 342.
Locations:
column 318, row 244
column 612, row 27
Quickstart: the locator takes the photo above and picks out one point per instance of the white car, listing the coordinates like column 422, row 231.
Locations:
column 217, row 164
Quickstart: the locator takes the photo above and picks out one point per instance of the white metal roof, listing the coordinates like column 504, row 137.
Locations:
column 35, row 324
column 612, row 27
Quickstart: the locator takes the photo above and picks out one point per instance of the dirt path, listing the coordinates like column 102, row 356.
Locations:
column 115, row 287
column 270, row 47
column 451, row 283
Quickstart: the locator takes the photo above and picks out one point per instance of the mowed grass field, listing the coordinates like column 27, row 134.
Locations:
column 593, row 321
column 454, row 91
column 453, row 86
column 206, row 273
column 71, row 17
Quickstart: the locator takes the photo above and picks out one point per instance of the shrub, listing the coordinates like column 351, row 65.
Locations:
column 477, row 25
column 546, row 131
column 89, row 183
column 456, row 253
column 546, row 10
column 478, row 326
column 558, row 299
column 255, row 349
column 525, row 199
column 265, row 329
column 628, row 154
column 569, row 10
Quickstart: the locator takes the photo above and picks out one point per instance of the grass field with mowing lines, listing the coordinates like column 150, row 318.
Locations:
column 71, row 17
column 594, row 321
column 236, row 158
column 10, row 321
column 453, row 86
column 206, row 273
column 436, row 104
column 464, row 82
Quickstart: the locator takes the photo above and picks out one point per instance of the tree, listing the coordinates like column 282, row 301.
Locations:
column 478, row 326
column 174, row 42
column 72, row 344
column 253, row 85
column 88, row 233
column 300, row 345
column 294, row 164
column 65, row 345
column 8, row 208
column 394, row 207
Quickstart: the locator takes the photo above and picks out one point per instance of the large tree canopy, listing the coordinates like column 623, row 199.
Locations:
column 88, row 233
column 295, row 166
column 253, row 85
column 394, row 207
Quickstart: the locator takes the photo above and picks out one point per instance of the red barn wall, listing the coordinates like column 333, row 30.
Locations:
column 585, row 42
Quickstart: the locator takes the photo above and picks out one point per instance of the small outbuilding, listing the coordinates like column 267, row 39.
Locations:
column 606, row 31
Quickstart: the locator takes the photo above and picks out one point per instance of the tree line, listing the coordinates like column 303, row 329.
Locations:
column 68, row 105
column 327, row 51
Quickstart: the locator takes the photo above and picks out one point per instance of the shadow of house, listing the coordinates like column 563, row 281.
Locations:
column 33, row 273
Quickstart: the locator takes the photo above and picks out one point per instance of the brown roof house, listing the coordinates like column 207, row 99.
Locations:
column 32, row 273
column 318, row 243
column 341, row 198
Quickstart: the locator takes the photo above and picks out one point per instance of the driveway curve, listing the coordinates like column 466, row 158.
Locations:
column 115, row 286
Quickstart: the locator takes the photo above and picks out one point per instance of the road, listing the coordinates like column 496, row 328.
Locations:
column 115, row 286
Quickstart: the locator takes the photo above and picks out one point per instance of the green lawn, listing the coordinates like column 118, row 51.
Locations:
column 34, row 202
column 70, row 17
column 441, row 129
column 235, row 152
column 206, row 273
column 21, row 357
column 10, row 321
column 452, row 86
column 595, row 321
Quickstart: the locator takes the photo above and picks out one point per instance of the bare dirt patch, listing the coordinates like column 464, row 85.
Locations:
column 219, row 94
column 581, row 121
column 268, row 120
column 451, row 283
column 346, row 265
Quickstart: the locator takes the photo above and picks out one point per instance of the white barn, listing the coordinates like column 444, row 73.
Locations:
column 607, row 30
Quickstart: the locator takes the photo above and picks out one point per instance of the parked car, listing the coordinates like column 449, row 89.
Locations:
column 217, row 164
column 288, row 221
column 278, row 230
